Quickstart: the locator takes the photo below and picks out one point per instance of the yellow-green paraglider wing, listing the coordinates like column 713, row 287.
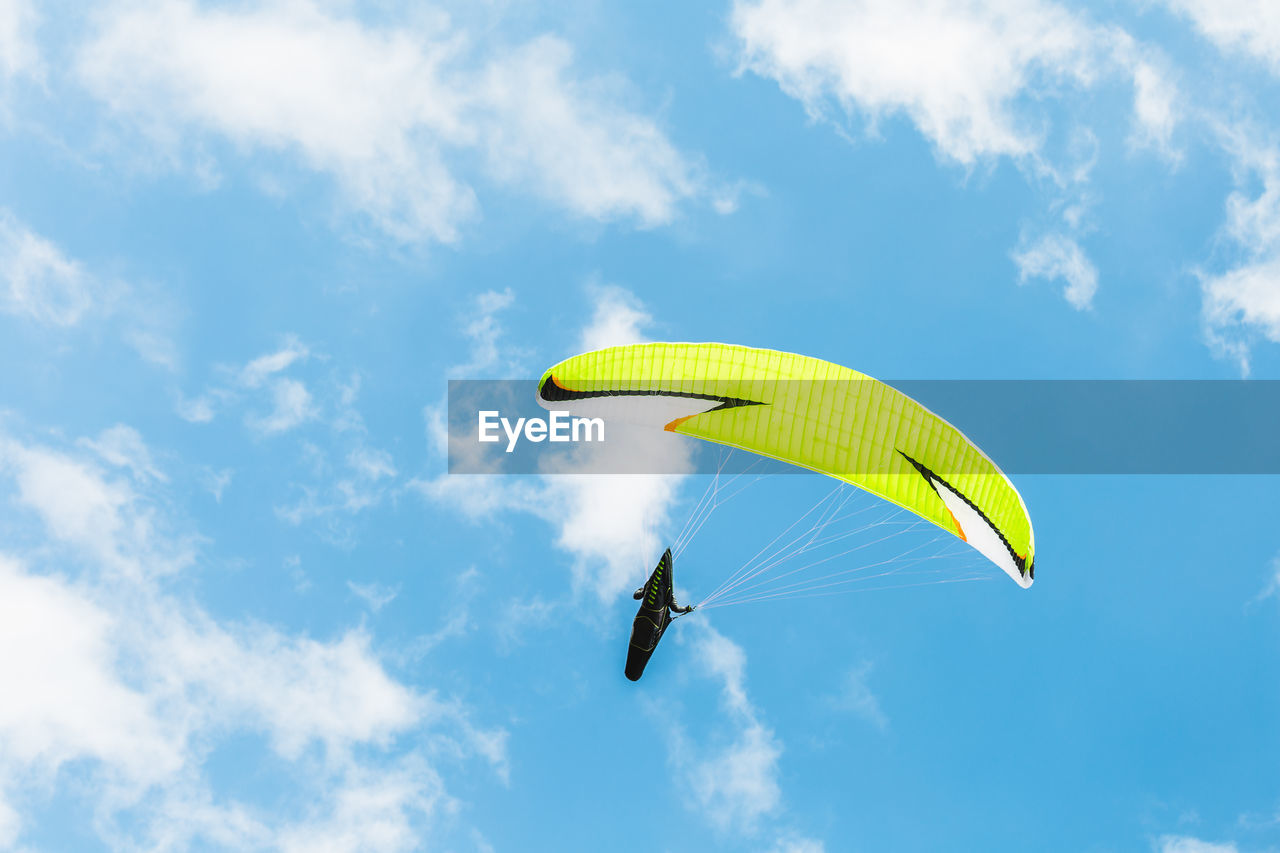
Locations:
column 820, row 416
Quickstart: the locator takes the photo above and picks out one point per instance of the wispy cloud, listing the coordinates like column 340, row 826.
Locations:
column 264, row 367
column 375, row 595
column 571, row 142
column 733, row 777
column 798, row 844
column 39, row 281
column 122, row 446
column 1248, row 26
column 104, row 519
column 857, row 697
column 349, row 475
column 289, row 401
column 389, row 113
column 1187, row 844
column 609, row 523
column 376, row 808
column 291, row 405
column 975, row 80
column 1056, row 256
column 1243, row 302
column 961, row 72
column 1158, row 106
column 125, row 687
column 281, row 392
column 1272, row 587
column 72, row 705
column 484, row 331
column 18, row 51
column 619, row 318
column 731, row 771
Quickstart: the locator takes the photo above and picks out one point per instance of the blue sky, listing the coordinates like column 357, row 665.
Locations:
column 243, row 245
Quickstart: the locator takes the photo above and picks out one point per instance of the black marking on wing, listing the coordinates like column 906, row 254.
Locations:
column 929, row 476
column 553, row 392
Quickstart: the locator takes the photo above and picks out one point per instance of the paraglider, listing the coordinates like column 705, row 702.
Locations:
column 657, row 602
column 814, row 414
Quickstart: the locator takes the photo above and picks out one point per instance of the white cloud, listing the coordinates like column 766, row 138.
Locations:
column 217, row 481
column 10, row 823
column 375, row 595
column 200, row 410
column 572, row 144
column 280, row 394
column 734, row 779
column 724, row 659
column 291, row 402
column 957, row 70
column 373, row 812
column 298, row 690
column 18, row 51
column 976, row 80
column 120, row 690
column 737, row 785
column 478, row 496
column 618, row 319
column 856, row 696
column 367, row 107
column 64, row 698
column 1056, row 256
column 371, row 464
column 732, row 771
column 103, row 519
column 484, row 331
column 793, row 844
column 358, row 486
column 1250, row 26
column 358, row 476
column 386, row 113
column 608, row 522
column 1186, row 844
column 122, row 446
column 38, row 281
column 1155, row 106
column 519, row 616
column 292, row 405
column 1272, row 587
column 1243, row 301
column 260, row 369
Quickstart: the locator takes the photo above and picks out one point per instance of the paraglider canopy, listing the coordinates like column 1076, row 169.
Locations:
column 816, row 415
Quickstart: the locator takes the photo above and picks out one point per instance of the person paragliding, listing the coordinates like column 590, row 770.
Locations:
column 657, row 602
column 810, row 413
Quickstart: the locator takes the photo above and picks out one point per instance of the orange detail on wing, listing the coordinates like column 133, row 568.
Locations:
column 671, row 427
column 557, row 383
column 959, row 529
